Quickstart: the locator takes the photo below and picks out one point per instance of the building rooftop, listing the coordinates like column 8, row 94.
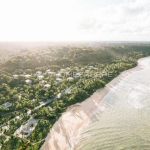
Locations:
column 40, row 76
column 27, row 76
column 28, row 81
column 6, row 105
column 47, row 85
column 58, row 80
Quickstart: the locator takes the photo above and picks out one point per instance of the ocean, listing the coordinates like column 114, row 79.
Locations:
column 124, row 123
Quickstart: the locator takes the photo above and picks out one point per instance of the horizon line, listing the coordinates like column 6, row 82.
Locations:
column 74, row 41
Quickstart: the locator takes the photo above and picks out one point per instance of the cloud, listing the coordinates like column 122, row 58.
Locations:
column 72, row 20
column 125, row 21
column 87, row 23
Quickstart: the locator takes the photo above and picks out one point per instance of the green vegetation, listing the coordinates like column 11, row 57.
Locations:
column 15, row 124
column 13, row 144
column 2, row 139
column 26, row 93
column 40, row 131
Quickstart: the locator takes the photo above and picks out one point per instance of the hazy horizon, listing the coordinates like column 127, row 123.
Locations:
column 76, row 20
column 102, row 41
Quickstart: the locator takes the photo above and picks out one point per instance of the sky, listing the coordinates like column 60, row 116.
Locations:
column 74, row 20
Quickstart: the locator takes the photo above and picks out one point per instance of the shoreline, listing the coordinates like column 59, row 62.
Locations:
column 65, row 133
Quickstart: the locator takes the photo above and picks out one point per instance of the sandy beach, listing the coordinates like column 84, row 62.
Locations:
column 65, row 133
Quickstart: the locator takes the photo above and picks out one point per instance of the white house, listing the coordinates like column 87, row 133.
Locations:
column 18, row 117
column 59, row 95
column 76, row 68
column 68, row 90
column 70, row 78
column 50, row 108
column 95, row 68
column 29, row 112
column 15, row 76
column 6, row 105
column 28, row 81
column 86, row 71
column 67, row 74
column 19, row 96
column 27, row 76
column 48, row 70
column 26, row 128
column 62, row 70
column 42, row 81
column 67, row 68
column 40, row 77
column 6, row 127
column 38, row 73
column 58, row 75
column 91, row 67
column 47, row 86
column 78, row 75
column 58, row 80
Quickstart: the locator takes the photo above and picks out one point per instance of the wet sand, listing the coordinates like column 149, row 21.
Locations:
column 65, row 133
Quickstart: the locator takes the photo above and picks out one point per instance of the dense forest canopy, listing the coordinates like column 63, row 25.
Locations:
column 38, row 83
column 63, row 56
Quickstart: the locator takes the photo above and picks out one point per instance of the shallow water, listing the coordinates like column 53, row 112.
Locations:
column 125, row 122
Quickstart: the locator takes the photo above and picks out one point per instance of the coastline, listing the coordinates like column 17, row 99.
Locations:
column 65, row 133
